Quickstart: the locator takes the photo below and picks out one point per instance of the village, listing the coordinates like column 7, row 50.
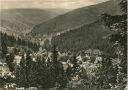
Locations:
column 84, row 60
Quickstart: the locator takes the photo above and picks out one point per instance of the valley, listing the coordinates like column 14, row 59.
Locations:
column 65, row 48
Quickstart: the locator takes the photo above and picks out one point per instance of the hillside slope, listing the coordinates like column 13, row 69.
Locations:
column 76, row 18
column 85, row 37
column 22, row 20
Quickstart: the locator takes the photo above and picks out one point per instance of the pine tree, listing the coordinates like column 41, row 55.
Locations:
column 123, row 5
column 33, row 74
column 28, row 68
column 107, row 74
column 75, row 68
column 9, row 61
column 55, row 54
column 55, row 62
column 21, row 73
column 23, row 62
column 41, row 72
column 28, row 60
column 19, row 42
column 69, row 72
column 118, row 24
column 4, row 47
column 58, row 73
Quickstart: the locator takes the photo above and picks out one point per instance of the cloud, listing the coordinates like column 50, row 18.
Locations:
column 68, row 4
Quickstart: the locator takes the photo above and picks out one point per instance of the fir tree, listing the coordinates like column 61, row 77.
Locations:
column 4, row 47
column 55, row 62
column 75, row 68
column 33, row 75
column 118, row 24
column 28, row 68
column 21, row 73
column 41, row 73
column 69, row 72
column 9, row 61
column 59, row 75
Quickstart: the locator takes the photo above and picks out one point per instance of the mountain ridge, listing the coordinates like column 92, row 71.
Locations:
column 77, row 17
column 18, row 20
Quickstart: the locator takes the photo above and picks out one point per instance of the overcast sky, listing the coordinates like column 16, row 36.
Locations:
column 67, row 4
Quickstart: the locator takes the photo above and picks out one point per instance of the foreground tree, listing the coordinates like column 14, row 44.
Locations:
column 41, row 73
column 3, row 47
column 106, row 74
column 22, row 72
column 9, row 61
column 75, row 68
column 59, row 75
column 118, row 26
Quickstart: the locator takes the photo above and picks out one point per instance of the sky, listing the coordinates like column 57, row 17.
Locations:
column 66, row 4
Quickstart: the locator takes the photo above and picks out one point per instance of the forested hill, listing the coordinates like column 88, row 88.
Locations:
column 76, row 18
column 87, row 36
column 17, row 43
column 20, row 21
